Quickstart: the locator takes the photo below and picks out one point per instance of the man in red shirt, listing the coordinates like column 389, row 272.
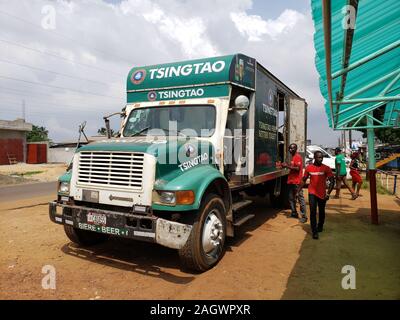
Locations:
column 317, row 196
column 293, row 181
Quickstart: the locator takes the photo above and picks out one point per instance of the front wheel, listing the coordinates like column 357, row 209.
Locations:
column 84, row 237
column 205, row 245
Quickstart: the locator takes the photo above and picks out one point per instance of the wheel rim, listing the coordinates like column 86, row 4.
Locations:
column 212, row 234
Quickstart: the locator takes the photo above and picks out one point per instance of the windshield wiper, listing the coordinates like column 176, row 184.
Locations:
column 182, row 134
column 177, row 131
column 147, row 128
column 139, row 132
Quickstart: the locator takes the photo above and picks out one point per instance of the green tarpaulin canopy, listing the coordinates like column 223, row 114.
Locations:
column 359, row 67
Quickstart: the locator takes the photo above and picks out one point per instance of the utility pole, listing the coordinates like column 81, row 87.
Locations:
column 344, row 139
column 25, row 133
column 350, row 139
column 23, row 109
column 372, row 171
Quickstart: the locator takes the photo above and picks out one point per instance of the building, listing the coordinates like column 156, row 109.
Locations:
column 62, row 152
column 13, row 140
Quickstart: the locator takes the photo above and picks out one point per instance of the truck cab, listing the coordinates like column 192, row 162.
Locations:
column 195, row 137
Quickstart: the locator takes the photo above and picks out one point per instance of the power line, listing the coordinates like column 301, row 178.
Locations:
column 28, row 111
column 63, row 36
column 57, row 87
column 28, row 95
column 30, row 92
column 54, row 72
column 23, row 109
column 59, row 57
column 34, row 109
column 55, row 104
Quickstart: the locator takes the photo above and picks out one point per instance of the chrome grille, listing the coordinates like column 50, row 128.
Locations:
column 118, row 169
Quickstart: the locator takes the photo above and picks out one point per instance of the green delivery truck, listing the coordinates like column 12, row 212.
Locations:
column 195, row 138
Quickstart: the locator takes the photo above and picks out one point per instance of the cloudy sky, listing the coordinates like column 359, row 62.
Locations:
column 67, row 61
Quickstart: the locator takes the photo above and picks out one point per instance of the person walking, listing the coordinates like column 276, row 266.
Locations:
column 294, row 179
column 355, row 173
column 317, row 196
column 341, row 173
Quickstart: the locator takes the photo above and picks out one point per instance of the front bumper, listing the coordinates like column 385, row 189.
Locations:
column 145, row 228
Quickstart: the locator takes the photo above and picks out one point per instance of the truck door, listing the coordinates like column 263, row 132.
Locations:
column 297, row 124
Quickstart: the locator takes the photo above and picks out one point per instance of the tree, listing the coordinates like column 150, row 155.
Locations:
column 38, row 134
column 103, row 131
column 388, row 135
column 385, row 135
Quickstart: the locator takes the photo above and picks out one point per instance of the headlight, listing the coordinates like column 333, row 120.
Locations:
column 63, row 187
column 164, row 197
column 172, row 198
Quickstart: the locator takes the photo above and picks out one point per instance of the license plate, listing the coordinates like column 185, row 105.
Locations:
column 97, row 218
column 90, row 196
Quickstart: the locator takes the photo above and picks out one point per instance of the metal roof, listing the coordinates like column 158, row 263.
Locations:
column 359, row 67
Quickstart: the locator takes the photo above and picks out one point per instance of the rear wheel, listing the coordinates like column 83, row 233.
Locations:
column 84, row 237
column 205, row 245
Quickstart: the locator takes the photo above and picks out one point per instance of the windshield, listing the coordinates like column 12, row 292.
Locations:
column 188, row 120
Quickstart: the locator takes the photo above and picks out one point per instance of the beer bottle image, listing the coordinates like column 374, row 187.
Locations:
column 237, row 70
column 241, row 70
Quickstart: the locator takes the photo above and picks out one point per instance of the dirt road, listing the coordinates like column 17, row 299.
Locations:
column 27, row 191
column 273, row 257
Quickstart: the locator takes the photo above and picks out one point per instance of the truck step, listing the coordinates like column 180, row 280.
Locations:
column 243, row 219
column 240, row 205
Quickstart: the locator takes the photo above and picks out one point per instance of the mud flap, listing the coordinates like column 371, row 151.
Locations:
column 278, row 187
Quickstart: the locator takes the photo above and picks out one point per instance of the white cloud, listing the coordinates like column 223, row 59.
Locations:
column 188, row 33
column 251, row 26
column 254, row 27
column 285, row 22
column 87, row 57
column 154, row 16
column 54, row 126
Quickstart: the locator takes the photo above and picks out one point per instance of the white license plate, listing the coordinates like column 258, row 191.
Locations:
column 97, row 218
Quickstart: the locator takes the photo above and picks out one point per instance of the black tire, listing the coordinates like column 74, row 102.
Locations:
column 84, row 237
column 193, row 255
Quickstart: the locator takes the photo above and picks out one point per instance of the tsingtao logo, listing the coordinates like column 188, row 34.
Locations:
column 138, row 76
column 270, row 97
column 190, row 150
column 152, row 96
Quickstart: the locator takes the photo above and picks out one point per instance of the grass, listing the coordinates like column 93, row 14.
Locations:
column 27, row 174
column 379, row 188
